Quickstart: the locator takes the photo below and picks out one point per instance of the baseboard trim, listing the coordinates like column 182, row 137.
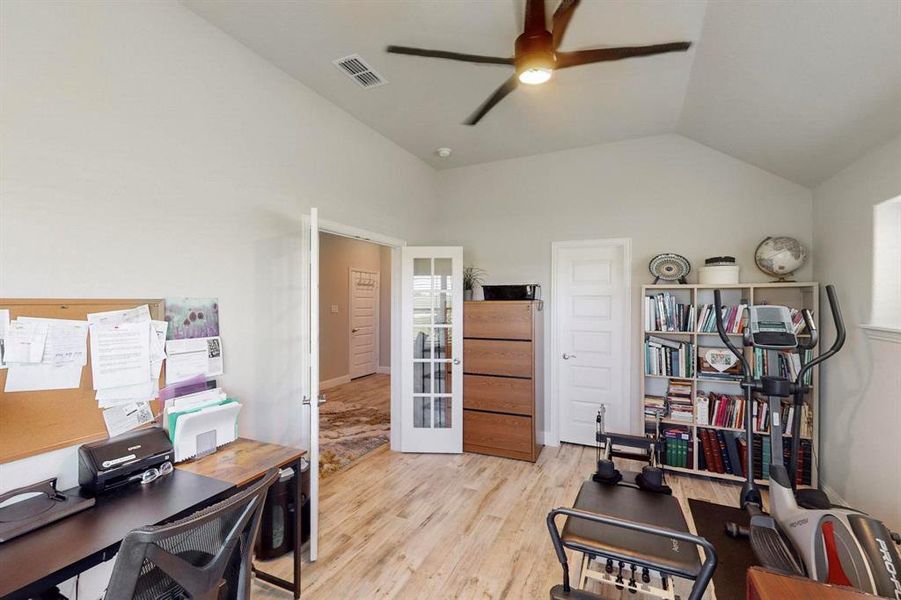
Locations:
column 330, row 383
column 384, row 370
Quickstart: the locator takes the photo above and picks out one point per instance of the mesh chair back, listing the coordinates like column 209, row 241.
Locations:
column 205, row 556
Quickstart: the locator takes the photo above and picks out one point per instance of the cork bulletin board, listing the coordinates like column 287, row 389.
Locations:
column 40, row 421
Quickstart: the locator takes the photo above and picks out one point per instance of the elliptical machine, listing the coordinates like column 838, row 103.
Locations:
column 804, row 534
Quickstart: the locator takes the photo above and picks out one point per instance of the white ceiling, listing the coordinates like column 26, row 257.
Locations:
column 798, row 88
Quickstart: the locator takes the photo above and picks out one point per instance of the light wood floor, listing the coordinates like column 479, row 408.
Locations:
column 430, row 526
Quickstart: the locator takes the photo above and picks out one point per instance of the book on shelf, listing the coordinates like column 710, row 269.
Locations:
column 679, row 406
column 726, row 452
column 781, row 364
column 669, row 358
column 679, row 451
column 734, row 319
column 761, row 414
column 722, row 410
column 663, row 312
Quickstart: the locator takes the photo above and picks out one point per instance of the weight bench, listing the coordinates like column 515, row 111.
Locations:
column 640, row 536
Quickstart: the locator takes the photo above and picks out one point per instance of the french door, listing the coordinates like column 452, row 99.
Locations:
column 432, row 349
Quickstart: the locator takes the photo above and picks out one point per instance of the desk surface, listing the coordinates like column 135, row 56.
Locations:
column 29, row 559
column 44, row 557
column 242, row 461
column 766, row 585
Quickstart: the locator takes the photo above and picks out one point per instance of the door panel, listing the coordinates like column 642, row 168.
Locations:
column 313, row 398
column 591, row 302
column 364, row 324
column 432, row 371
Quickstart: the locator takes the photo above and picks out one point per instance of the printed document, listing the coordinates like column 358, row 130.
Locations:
column 120, row 419
column 194, row 356
column 120, row 354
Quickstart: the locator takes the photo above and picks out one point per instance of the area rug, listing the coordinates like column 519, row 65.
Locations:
column 734, row 556
column 354, row 421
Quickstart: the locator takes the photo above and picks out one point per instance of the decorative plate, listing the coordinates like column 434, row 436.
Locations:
column 669, row 267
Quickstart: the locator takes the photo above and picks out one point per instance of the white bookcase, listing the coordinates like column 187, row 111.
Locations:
column 795, row 295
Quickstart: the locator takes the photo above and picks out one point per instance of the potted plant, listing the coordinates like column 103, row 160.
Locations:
column 472, row 276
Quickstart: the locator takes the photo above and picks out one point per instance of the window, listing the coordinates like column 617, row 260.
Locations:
column 886, row 310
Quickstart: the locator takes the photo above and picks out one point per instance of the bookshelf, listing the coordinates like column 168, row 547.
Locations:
column 794, row 295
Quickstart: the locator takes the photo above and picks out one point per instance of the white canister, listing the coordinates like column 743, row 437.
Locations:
column 718, row 275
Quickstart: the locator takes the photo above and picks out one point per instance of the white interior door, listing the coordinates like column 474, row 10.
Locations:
column 364, row 322
column 313, row 387
column 432, row 349
column 591, row 304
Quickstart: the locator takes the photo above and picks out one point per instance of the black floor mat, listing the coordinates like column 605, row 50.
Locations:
column 734, row 556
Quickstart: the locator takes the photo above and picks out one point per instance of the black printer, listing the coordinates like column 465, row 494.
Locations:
column 109, row 464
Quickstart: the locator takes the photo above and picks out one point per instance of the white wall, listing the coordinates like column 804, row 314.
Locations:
column 148, row 154
column 667, row 193
column 861, row 387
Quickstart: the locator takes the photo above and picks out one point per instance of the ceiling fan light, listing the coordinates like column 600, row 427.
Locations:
column 535, row 75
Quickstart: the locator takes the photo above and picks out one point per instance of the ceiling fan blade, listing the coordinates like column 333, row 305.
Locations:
column 498, row 95
column 475, row 58
column 561, row 19
column 585, row 57
column 535, row 19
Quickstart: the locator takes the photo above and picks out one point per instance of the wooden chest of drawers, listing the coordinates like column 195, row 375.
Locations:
column 502, row 381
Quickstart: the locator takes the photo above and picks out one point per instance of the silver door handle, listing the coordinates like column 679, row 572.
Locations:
column 456, row 361
column 568, row 356
column 321, row 399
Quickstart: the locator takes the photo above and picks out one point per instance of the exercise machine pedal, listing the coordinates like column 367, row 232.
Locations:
column 772, row 548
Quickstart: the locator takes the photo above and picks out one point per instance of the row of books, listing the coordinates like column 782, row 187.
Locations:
column 761, row 416
column 663, row 313
column 722, row 452
column 720, row 410
column 726, row 452
column 782, row 364
column 733, row 318
column 669, row 357
column 797, row 320
column 679, row 406
column 763, row 458
column 679, row 451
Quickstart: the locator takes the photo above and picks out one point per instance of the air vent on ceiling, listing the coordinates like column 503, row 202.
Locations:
column 359, row 70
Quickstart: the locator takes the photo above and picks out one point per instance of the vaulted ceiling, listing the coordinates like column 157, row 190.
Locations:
column 798, row 88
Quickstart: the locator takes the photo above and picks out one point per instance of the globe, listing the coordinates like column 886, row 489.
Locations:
column 780, row 256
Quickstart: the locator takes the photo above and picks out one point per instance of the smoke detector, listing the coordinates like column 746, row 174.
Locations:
column 444, row 152
column 360, row 71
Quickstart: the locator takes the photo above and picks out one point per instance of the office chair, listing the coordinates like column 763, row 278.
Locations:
column 205, row 556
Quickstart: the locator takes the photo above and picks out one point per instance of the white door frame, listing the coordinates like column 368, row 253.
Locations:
column 556, row 405
column 349, row 231
column 378, row 318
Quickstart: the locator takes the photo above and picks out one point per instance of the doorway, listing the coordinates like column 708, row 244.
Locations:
column 590, row 343
column 354, row 349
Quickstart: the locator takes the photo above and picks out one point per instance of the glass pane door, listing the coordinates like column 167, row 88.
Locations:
column 433, row 370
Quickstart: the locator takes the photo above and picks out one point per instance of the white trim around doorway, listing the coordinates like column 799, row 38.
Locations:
column 552, row 437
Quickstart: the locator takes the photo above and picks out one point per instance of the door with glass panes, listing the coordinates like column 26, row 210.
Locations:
column 432, row 366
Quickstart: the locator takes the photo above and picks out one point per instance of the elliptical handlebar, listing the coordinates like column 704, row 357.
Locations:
column 721, row 329
column 840, row 333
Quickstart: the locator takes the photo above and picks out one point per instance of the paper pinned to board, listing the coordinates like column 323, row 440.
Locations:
column 120, row 419
column 4, row 329
column 137, row 314
column 24, row 342
column 66, row 342
column 32, row 378
column 194, row 356
column 120, row 354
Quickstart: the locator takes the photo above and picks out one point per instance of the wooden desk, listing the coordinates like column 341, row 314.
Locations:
column 766, row 585
column 244, row 461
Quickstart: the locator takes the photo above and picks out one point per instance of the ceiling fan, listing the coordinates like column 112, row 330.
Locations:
column 535, row 55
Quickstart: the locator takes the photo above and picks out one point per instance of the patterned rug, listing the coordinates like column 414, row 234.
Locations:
column 355, row 420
